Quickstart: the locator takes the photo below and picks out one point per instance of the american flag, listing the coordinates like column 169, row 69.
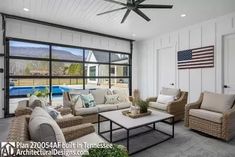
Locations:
column 196, row 58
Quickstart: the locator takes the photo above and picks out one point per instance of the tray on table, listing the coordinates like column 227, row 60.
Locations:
column 129, row 114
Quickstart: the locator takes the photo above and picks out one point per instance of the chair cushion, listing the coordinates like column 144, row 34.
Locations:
column 111, row 99
column 217, row 102
column 106, row 107
column 207, row 115
column 99, row 95
column 86, row 111
column 123, row 105
column 171, row 91
column 123, row 95
column 159, row 106
column 165, row 99
column 43, row 128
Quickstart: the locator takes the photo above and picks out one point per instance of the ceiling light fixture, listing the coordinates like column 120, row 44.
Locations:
column 133, row 35
column 26, row 9
column 183, row 15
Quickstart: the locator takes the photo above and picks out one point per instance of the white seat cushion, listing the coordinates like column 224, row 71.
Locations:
column 106, row 107
column 85, row 111
column 159, row 106
column 217, row 102
column 123, row 105
column 207, row 115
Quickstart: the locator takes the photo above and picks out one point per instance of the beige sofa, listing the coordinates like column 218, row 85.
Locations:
column 213, row 114
column 90, row 115
column 176, row 108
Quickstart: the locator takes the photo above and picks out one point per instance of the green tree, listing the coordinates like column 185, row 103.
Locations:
column 75, row 69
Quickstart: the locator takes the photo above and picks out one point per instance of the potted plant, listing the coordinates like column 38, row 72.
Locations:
column 143, row 105
column 41, row 94
column 114, row 151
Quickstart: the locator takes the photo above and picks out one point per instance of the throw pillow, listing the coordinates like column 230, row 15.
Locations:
column 77, row 102
column 88, row 100
column 52, row 112
column 165, row 99
column 111, row 99
column 123, row 96
column 34, row 101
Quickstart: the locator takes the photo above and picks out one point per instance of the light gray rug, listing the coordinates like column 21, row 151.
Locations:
column 187, row 143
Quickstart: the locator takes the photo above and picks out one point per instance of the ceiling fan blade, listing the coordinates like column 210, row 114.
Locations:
column 147, row 6
column 139, row 1
column 116, row 2
column 110, row 11
column 140, row 13
column 125, row 16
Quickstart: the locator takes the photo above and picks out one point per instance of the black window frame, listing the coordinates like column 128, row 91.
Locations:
column 50, row 60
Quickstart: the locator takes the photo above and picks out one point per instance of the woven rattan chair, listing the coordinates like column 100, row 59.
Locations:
column 223, row 128
column 175, row 108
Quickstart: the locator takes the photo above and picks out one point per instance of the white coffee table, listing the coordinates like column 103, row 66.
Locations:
column 129, row 124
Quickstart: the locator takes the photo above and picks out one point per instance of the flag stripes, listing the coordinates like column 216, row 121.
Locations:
column 196, row 58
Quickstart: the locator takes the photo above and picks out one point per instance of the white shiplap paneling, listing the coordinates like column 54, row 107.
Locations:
column 31, row 31
column 203, row 34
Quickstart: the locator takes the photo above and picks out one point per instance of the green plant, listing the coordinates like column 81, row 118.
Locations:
column 143, row 105
column 41, row 93
column 114, row 151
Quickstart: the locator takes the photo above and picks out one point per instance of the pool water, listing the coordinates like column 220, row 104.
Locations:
column 25, row 90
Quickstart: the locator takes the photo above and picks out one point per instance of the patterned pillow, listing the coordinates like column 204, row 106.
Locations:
column 77, row 102
column 111, row 99
column 88, row 100
column 52, row 112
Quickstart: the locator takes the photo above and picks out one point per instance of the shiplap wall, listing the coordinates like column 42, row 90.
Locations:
column 195, row 80
column 31, row 31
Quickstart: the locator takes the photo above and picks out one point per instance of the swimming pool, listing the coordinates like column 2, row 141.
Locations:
column 25, row 90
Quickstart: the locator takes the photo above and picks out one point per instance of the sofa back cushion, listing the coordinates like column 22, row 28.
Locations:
column 43, row 128
column 217, row 102
column 123, row 95
column 99, row 95
column 171, row 91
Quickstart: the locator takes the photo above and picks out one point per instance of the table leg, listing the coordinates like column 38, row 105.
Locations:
column 154, row 126
column 111, row 129
column 173, row 127
column 127, row 140
column 98, row 124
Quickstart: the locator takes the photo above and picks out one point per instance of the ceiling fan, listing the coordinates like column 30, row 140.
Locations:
column 135, row 5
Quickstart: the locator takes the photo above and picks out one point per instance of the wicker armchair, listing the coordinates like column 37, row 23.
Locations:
column 72, row 130
column 223, row 129
column 175, row 108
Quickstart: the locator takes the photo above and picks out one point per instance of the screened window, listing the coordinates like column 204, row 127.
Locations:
column 58, row 68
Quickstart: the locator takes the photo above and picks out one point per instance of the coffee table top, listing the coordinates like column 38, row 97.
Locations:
column 129, row 123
